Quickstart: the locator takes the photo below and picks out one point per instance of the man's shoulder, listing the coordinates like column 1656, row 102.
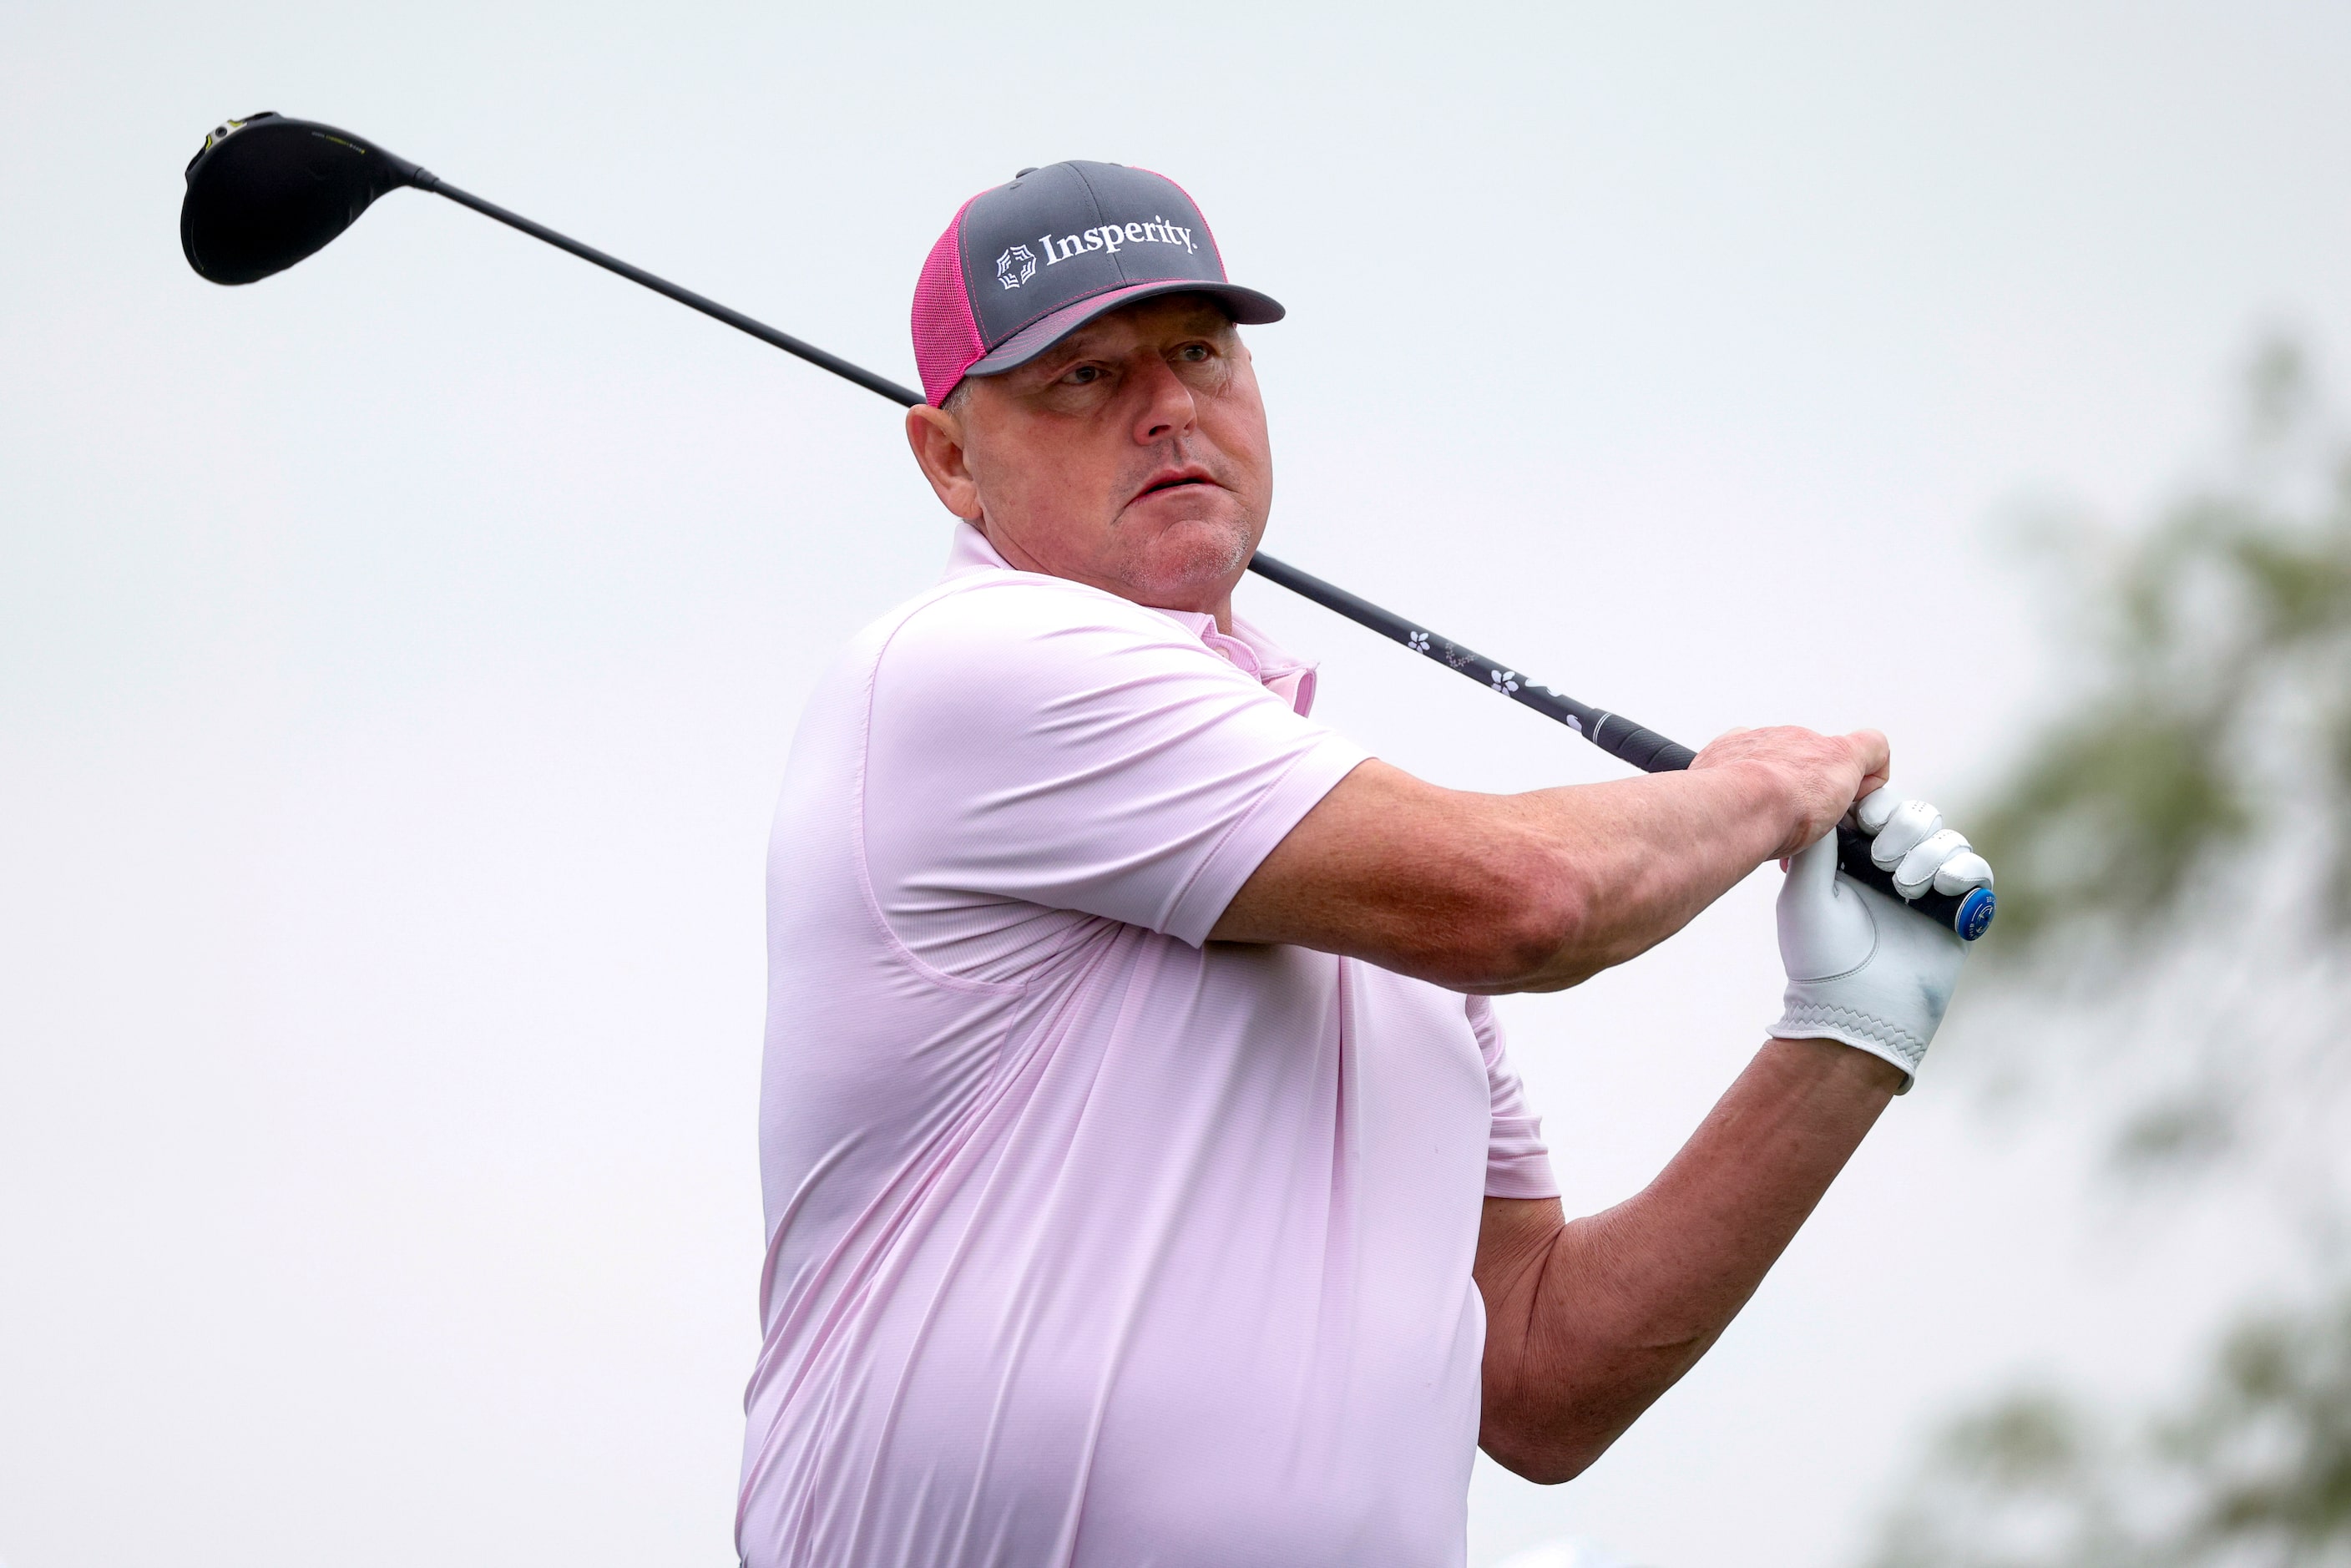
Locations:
column 996, row 623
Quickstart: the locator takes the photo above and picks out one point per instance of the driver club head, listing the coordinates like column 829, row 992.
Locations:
column 264, row 192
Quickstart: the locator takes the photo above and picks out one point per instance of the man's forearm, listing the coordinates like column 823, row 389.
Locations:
column 1635, row 860
column 1589, row 1321
column 1508, row 893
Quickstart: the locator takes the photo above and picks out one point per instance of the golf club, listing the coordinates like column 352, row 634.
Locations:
column 266, row 191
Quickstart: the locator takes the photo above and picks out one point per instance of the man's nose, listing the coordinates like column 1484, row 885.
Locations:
column 1167, row 408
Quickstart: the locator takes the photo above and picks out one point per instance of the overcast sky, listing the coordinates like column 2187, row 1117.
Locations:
column 397, row 660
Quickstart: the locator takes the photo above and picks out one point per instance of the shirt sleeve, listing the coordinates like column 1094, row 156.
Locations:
column 1042, row 742
column 1517, row 1161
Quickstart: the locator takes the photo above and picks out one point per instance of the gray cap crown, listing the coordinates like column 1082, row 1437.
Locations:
column 1057, row 237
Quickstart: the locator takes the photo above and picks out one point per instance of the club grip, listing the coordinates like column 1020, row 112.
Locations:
column 1644, row 749
column 1969, row 914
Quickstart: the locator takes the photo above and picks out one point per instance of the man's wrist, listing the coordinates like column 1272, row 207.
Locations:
column 1837, row 1066
column 1769, row 803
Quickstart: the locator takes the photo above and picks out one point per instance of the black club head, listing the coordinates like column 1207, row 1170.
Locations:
column 264, row 192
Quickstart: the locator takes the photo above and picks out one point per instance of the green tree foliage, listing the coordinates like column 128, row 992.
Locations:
column 2174, row 854
column 2214, row 698
column 2254, row 1472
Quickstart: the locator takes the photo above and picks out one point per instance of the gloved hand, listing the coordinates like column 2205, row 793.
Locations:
column 1862, row 968
column 1909, row 840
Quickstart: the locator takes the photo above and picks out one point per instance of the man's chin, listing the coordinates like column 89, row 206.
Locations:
column 1191, row 564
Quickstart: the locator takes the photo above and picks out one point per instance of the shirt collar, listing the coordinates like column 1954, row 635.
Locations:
column 1245, row 648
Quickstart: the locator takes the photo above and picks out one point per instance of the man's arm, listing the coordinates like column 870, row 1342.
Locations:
column 1588, row 1322
column 1541, row 891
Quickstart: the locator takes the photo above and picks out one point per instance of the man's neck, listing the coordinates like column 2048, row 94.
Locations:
column 1019, row 559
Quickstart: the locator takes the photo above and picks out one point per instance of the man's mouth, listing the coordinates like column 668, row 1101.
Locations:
column 1175, row 479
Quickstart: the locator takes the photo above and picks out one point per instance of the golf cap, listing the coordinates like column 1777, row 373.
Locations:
column 1028, row 263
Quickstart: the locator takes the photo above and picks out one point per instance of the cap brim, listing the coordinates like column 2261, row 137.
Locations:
column 1245, row 305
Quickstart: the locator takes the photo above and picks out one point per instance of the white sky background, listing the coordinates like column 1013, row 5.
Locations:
column 397, row 659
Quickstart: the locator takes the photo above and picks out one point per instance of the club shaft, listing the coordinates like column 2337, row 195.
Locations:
column 1612, row 732
column 902, row 396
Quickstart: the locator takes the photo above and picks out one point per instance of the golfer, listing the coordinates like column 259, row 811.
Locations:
column 1147, row 1179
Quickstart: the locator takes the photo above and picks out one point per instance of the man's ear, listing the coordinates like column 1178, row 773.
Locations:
column 936, row 437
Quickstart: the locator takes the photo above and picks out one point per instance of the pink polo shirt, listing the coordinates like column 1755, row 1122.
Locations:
column 1092, row 1242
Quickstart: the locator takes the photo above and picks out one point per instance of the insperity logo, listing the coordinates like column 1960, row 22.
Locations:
column 1017, row 265
column 1021, row 258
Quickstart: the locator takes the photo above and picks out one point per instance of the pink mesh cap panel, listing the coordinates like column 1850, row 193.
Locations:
column 946, row 337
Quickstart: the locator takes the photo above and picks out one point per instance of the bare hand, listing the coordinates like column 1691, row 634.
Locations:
column 1816, row 778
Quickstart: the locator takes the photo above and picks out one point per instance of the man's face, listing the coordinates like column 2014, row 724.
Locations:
column 1133, row 456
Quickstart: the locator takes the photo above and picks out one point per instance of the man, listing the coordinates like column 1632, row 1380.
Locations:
column 1147, row 1181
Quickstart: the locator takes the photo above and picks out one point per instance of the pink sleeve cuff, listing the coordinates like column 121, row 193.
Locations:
column 1518, row 1164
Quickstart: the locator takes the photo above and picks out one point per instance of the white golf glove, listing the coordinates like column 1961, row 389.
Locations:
column 1862, row 968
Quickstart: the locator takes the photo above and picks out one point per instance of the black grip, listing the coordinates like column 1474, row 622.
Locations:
column 1958, row 913
column 1645, row 749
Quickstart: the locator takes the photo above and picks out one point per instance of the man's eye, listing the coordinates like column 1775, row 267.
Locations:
column 1193, row 352
column 1084, row 375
